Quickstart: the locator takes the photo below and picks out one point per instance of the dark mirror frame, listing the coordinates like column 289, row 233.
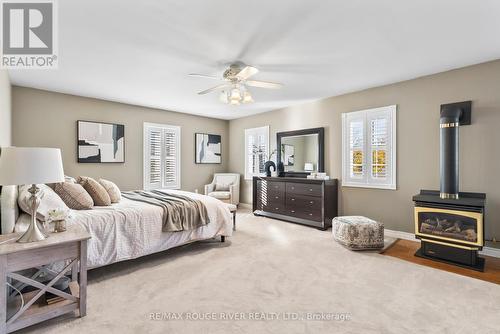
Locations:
column 321, row 148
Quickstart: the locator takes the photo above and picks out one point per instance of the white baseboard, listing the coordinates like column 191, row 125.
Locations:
column 245, row 206
column 489, row 251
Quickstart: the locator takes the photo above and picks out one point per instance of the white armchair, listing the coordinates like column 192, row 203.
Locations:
column 225, row 187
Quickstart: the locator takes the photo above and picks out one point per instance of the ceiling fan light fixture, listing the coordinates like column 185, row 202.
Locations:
column 247, row 97
column 223, row 97
column 234, row 102
column 235, row 94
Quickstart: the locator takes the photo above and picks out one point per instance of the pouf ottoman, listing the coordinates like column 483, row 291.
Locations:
column 358, row 232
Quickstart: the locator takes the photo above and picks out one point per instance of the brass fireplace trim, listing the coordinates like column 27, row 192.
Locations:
column 448, row 196
column 448, row 244
column 475, row 215
column 449, row 125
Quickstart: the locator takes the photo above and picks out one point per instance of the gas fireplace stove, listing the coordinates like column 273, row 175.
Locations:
column 449, row 223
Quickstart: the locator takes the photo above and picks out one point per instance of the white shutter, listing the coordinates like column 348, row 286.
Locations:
column 171, row 171
column 256, row 151
column 354, row 148
column 161, row 156
column 376, row 130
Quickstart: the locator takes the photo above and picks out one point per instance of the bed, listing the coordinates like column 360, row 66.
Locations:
column 131, row 229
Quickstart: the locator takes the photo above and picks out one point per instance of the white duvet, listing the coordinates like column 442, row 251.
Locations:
column 131, row 229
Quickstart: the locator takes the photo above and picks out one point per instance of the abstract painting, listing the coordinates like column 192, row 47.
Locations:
column 208, row 149
column 100, row 142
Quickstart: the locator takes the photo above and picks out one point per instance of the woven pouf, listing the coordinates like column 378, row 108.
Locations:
column 358, row 232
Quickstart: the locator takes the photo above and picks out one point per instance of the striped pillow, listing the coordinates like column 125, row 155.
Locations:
column 95, row 190
column 74, row 196
column 113, row 191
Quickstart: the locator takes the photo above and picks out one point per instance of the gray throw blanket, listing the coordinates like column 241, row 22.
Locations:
column 180, row 213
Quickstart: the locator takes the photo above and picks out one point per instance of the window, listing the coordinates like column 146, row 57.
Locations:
column 256, row 151
column 369, row 148
column 162, row 160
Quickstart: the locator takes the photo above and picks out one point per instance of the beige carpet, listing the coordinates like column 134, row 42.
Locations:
column 277, row 267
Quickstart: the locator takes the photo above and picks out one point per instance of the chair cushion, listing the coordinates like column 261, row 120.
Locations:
column 222, row 186
column 358, row 232
column 220, row 194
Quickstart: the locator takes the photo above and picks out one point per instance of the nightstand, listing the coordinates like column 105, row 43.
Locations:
column 69, row 247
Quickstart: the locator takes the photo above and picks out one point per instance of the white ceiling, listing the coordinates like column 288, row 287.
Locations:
column 140, row 52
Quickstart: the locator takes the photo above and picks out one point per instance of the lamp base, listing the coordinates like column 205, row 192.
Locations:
column 33, row 233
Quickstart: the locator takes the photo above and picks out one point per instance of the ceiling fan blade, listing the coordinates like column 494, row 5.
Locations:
column 202, row 76
column 213, row 89
column 263, row 84
column 247, row 72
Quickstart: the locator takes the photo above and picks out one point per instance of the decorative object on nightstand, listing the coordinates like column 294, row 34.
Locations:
column 58, row 217
column 31, row 165
column 225, row 187
column 45, row 301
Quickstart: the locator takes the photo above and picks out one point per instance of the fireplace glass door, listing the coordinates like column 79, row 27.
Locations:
column 452, row 225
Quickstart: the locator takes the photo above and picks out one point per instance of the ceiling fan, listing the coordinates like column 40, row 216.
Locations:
column 234, row 89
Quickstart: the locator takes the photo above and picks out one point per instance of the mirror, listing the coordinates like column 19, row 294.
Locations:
column 301, row 151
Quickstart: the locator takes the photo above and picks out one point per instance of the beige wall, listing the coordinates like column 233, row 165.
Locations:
column 5, row 109
column 417, row 144
column 42, row 118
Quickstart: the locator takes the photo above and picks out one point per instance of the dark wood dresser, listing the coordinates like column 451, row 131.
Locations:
column 298, row 200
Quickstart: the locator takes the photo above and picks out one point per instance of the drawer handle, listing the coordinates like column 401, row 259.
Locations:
column 293, row 211
column 276, row 208
column 311, row 202
column 276, row 197
column 310, row 214
column 310, row 189
column 293, row 199
column 293, row 188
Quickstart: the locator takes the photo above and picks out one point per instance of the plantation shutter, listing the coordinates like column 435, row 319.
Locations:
column 256, row 151
column 161, row 156
column 171, row 170
column 354, row 148
column 369, row 148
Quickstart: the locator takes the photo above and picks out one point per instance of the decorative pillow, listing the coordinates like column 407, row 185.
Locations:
column 95, row 190
column 9, row 210
column 48, row 200
column 69, row 179
column 74, row 195
column 113, row 191
column 222, row 186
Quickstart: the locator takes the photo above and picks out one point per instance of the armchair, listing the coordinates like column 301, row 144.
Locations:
column 225, row 187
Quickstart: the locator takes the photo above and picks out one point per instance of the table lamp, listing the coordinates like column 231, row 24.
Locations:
column 31, row 165
column 308, row 166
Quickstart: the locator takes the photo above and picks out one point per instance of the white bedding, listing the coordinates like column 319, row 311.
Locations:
column 131, row 229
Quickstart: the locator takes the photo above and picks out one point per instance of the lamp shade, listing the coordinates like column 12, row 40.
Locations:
column 30, row 165
column 308, row 166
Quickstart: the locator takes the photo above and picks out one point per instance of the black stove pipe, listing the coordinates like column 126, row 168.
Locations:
column 449, row 127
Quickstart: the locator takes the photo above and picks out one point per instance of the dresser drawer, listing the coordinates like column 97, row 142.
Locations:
column 304, row 189
column 304, row 214
column 273, row 187
column 301, row 202
column 275, row 207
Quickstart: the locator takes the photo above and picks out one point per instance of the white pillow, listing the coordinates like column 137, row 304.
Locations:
column 9, row 211
column 48, row 200
column 222, row 186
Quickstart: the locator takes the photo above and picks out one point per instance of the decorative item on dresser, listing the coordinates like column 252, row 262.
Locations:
column 310, row 202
